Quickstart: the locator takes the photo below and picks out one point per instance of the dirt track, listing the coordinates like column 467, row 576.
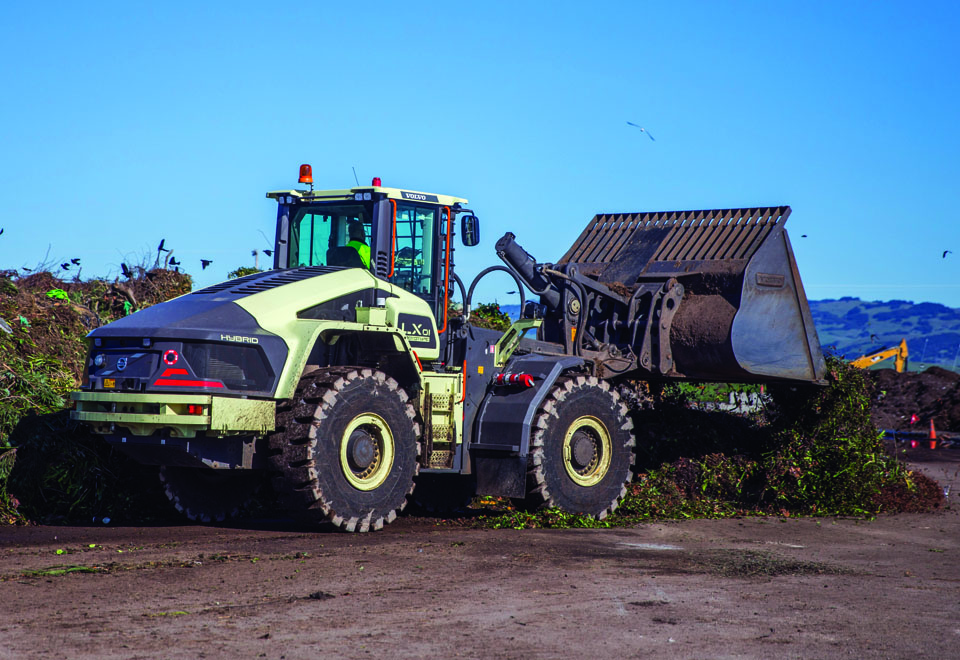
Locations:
column 758, row 587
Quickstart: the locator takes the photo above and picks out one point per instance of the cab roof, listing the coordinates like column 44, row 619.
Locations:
column 350, row 194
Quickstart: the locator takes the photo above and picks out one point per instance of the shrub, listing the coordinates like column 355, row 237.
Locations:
column 488, row 315
column 242, row 271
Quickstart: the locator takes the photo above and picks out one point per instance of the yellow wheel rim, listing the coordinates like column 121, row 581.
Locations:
column 366, row 451
column 587, row 449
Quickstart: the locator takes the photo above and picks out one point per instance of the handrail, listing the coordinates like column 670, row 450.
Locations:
column 446, row 274
column 393, row 242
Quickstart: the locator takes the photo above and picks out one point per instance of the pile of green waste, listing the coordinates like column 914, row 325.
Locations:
column 57, row 469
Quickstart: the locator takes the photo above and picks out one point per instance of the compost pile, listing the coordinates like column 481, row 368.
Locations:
column 56, row 468
column 45, row 317
column 933, row 394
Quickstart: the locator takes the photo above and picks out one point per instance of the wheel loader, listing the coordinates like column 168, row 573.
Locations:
column 353, row 389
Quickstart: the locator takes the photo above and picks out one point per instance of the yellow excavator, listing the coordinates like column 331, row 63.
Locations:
column 899, row 353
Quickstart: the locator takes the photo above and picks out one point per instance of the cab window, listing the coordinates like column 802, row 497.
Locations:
column 413, row 264
column 319, row 236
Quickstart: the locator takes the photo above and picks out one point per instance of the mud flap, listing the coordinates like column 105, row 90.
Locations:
column 502, row 476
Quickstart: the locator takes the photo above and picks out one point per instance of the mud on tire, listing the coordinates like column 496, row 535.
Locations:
column 346, row 448
column 581, row 452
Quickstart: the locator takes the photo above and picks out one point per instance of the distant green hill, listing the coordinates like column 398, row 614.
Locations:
column 852, row 327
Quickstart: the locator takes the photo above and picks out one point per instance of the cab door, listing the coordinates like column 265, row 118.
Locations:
column 415, row 262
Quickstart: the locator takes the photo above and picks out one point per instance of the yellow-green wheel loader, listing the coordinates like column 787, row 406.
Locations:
column 341, row 377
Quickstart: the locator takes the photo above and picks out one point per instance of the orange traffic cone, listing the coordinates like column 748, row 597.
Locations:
column 933, row 435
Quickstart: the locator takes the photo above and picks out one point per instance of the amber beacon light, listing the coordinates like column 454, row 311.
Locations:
column 306, row 174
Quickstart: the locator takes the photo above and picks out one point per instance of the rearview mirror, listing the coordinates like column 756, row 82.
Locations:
column 469, row 230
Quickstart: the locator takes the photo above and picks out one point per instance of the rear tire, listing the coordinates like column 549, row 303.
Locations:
column 581, row 452
column 346, row 448
column 207, row 495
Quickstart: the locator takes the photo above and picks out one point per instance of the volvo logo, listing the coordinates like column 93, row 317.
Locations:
column 121, row 364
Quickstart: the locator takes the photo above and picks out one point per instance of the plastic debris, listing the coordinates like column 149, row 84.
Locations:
column 6, row 327
column 59, row 294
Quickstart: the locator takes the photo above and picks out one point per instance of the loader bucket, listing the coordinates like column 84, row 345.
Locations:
column 743, row 316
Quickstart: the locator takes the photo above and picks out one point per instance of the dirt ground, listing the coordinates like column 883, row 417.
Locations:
column 752, row 587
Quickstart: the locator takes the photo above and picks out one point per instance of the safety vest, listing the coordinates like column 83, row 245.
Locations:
column 363, row 250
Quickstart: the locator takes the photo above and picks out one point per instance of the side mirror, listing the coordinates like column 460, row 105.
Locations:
column 470, row 230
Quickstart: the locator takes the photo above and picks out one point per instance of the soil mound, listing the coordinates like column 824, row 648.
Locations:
column 45, row 317
column 933, row 394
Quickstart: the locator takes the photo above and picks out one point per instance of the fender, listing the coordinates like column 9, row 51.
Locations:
column 499, row 453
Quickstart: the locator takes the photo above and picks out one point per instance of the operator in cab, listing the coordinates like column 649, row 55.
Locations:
column 358, row 241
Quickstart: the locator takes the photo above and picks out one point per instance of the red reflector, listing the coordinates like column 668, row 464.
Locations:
column 306, row 174
column 376, row 181
column 186, row 383
column 514, row 379
column 194, row 409
column 170, row 357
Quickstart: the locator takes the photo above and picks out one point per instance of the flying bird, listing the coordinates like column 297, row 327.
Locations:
column 269, row 253
column 126, row 271
column 945, row 253
column 75, row 262
column 803, row 235
column 642, row 129
column 204, row 263
column 65, row 265
column 174, row 262
column 160, row 247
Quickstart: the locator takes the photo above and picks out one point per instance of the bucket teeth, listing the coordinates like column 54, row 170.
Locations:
column 622, row 247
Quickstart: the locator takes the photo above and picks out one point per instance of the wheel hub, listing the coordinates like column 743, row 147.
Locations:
column 584, row 450
column 366, row 451
column 587, row 451
column 361, row 450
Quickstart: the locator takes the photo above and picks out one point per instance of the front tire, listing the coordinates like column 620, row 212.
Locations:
column 346, row 448
column 581, row 450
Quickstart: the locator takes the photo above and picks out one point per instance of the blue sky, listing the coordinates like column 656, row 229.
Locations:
column 123, row 124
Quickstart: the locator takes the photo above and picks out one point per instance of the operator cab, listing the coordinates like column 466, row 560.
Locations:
column 406, row 234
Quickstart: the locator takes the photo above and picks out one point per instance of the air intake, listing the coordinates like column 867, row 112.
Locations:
column 271, row 279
